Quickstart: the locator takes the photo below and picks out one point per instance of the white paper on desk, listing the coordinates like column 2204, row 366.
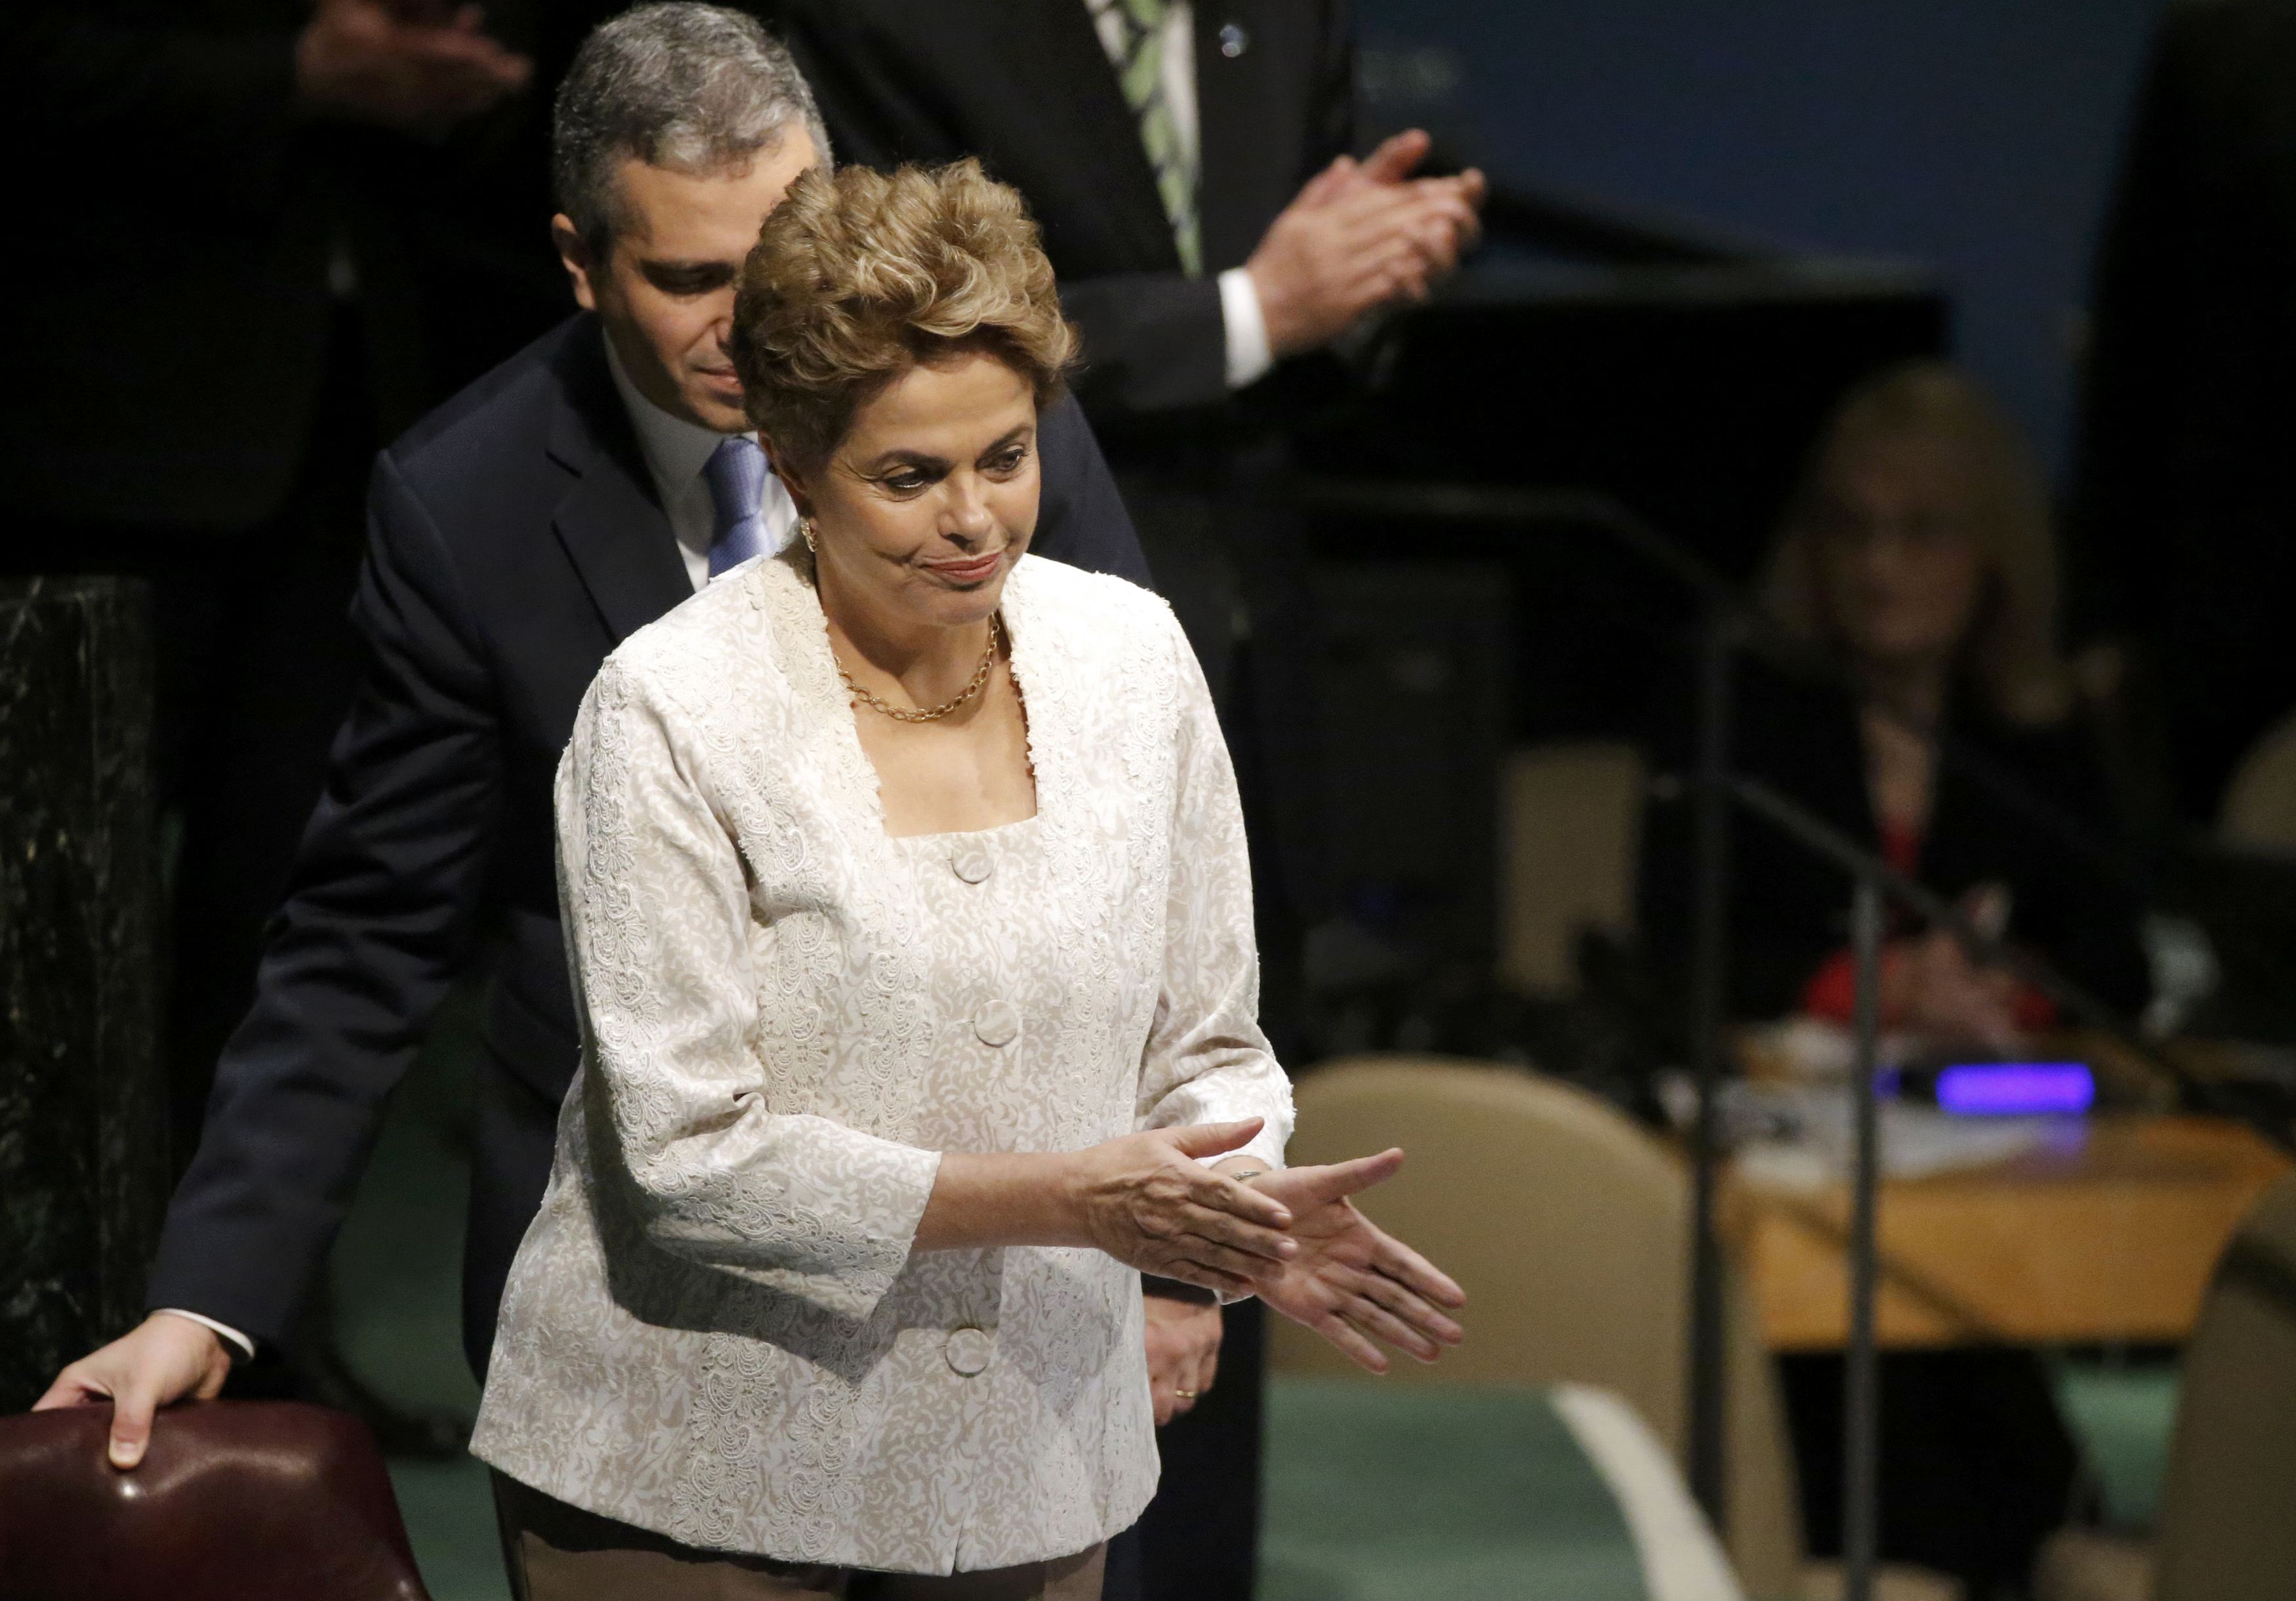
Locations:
column 1813, row 1146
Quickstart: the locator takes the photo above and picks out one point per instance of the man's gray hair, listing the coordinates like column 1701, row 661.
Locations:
column 695, row 88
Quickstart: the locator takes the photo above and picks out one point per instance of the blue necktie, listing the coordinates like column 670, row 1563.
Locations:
column 736, row 475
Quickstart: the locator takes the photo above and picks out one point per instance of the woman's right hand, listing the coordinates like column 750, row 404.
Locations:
column 1147, row 1200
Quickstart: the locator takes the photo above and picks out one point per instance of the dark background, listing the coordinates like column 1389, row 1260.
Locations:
column 1974, row 137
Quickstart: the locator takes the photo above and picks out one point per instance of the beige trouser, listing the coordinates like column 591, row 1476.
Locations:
column 561, row 1553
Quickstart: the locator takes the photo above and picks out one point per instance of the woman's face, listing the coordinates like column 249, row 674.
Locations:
column 930, row 497
column 1900, row 571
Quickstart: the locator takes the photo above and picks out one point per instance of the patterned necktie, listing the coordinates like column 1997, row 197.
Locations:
column 1140, row 69
column 736, row 476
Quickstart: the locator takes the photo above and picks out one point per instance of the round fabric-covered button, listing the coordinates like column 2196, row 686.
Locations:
column 971, row 864
column 968, row 1350
column 997, row 1022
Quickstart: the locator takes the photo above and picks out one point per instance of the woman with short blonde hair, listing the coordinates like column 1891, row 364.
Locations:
column 1915, row 558
column 1986, row 491
column 906, row 897
column 1918, row 556
column 860, row 276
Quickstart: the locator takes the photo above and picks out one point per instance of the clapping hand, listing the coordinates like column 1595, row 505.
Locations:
column 1349, row 1281
column 1389, row 167
column 420, row 66
column 1360, row 236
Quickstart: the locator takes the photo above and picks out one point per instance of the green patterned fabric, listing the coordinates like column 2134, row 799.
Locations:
column 1393, row 1492
column 1140, row 67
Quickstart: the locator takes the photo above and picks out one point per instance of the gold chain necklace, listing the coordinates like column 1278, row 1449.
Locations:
column 929, row 714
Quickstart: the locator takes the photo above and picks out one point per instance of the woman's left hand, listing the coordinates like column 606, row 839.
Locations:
column 1351, row 1282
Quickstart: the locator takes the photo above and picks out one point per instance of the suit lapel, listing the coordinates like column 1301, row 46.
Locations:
column 1090, row 115
column 609, row 522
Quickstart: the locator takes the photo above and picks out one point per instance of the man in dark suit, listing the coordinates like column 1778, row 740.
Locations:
column 571, row 496
column 201, row 393
column 1190, row 172
column 194, row 181
column 1191, row 168
column 197, row 388
column 2182, row 524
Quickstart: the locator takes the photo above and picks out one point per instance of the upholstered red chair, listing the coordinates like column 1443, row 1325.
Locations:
column 234, row 1499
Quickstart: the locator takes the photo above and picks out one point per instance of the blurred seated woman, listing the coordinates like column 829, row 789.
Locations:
column 910, row 922
column 1916, row 564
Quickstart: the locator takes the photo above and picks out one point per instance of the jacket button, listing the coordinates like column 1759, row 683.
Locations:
column 1233, row 41
column 968, row 1350
column 971, row 864
column 997, row 1022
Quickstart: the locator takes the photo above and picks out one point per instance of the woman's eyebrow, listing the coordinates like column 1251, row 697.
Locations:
column 899, row 456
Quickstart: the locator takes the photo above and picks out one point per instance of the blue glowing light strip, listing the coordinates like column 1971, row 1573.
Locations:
column 2015, row 1088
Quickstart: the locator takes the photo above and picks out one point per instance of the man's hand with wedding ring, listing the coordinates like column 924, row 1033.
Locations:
column 1184, row 1341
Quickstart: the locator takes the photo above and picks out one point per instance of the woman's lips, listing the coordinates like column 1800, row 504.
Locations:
column 978, row 570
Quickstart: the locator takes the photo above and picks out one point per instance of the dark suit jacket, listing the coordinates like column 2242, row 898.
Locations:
column 1789, row 910
column 2183, row 525
column 515, row 539
column 1026, row 86
column 167, row 303
column 167, row 314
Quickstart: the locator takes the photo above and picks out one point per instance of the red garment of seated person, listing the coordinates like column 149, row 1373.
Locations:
column 1831, row 995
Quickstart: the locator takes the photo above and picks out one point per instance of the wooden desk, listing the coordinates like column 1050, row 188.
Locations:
column 2108, row 1236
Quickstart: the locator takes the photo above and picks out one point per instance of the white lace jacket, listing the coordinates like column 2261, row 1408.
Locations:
column 715, row 1328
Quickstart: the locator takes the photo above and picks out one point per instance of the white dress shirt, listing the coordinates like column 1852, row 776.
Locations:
column 243, row 1348
column 675, row 452
column 1243, row 319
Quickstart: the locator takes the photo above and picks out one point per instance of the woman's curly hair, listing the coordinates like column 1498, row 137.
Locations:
column 859, row 276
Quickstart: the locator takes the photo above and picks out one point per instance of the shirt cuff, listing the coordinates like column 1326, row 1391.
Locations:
column 1245, row 324
column 232, row 1336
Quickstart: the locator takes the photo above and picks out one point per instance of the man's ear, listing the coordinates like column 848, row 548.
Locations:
column 581, row 262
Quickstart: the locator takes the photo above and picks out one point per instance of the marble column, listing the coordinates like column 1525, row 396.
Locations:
column 83, row 1168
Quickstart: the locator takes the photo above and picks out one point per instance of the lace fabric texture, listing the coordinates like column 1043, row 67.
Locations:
column 715, row 1328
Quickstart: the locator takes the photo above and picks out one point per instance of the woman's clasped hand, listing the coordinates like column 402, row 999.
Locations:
column 1292, row 1235
column 1147, row 1200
